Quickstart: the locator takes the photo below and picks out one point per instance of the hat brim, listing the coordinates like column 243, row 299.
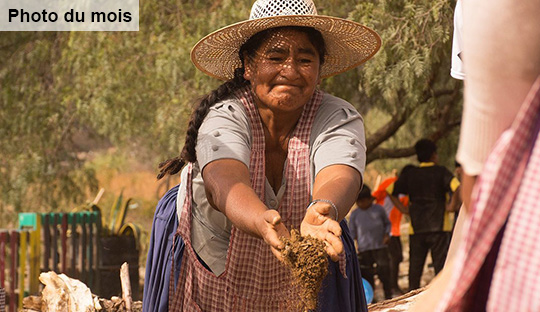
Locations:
column 348, row 43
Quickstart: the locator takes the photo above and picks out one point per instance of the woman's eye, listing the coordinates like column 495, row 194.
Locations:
column 306, row 60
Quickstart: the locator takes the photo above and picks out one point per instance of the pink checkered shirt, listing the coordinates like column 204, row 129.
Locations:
column 253, row 280
column 507, row 191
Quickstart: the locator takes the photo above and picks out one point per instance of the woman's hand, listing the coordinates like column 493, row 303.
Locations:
column 270, row 228
column 319, row 223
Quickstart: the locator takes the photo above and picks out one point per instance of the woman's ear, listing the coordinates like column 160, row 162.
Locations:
column 247, row 72
column 247, row 66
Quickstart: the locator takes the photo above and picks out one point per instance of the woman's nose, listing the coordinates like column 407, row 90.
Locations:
column 289, row 69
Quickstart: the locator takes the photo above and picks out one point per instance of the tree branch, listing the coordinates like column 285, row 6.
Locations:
column 389, row 129
column 399, row 119
column 387, row 153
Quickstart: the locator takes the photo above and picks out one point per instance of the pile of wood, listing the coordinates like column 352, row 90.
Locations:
column 64, row 294
column 398, row 304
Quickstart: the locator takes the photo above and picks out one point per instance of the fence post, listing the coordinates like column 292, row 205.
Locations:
column 63, row 235
column 46, row 241
column 2, row 300
column 14, row 244
column 55, row 242
column 92, row 241
column 35, row 257
column 74, row 245
column 84, row 244
column 22, row 264
column 3, row 240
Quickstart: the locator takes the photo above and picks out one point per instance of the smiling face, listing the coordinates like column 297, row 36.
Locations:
column 284, row 71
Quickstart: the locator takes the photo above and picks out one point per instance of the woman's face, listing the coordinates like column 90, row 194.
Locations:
column 284, row 71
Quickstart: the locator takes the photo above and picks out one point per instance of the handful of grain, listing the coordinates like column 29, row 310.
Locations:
column 308, row 261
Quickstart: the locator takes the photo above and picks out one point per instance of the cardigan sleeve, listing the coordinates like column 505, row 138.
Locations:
column 502, row 61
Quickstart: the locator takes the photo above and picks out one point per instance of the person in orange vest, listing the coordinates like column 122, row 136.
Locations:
column 394, row 215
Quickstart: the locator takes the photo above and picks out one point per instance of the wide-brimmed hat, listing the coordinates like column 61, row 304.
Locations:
column 348, row 43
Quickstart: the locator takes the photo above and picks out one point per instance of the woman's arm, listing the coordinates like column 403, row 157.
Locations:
column 501, row 48
column 228, row 189
column 340, row 185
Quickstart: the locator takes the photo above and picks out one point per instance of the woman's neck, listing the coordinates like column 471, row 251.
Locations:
column 278, row 126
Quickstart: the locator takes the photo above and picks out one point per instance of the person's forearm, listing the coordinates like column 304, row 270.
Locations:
column 455, row 201
column 399, row 205
column 467, row 185
column 339, row 184
column 229, row 190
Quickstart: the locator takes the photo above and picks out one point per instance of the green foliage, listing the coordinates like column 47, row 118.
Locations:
column 409, row 76
column 39, row 161
column 64, row 94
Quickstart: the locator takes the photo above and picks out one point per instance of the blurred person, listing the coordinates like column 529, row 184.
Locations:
column 454, row 204
column 496, row 267
column 499, row 143
column 395, row 249
column 370, row 228
column 427, row 186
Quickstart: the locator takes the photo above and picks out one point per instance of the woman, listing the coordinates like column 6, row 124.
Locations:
column 266, row 152
column 496, row 266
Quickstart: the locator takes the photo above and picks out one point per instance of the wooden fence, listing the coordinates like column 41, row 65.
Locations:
column 2, row 300
column 61, row 242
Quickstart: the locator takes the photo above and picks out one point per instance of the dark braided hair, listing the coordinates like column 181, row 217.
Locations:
column 174, row 165
column 188, row 154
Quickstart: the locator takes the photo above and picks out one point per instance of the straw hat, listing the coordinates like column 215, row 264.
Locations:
column 348, row 43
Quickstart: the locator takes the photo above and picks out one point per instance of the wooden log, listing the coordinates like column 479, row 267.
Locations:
column 32, row 303
column 398, row 304
column 126, row 286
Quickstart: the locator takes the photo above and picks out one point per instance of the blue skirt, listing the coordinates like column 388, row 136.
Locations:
column 338, row 294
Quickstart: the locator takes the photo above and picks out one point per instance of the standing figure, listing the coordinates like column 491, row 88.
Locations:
column 395, row 216
column 370, row 228
column 427, row 186
column 497, row 265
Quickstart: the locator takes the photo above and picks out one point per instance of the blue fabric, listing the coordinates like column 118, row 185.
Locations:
column 339, row 294
column 159, row 261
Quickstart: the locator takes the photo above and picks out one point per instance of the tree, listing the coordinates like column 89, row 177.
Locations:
column 65, row 94
column 406, row 91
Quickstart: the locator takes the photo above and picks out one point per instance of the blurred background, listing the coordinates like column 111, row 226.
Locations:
column 84, row 111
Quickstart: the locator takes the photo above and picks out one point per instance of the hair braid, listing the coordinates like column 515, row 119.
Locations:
column 188, row 154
